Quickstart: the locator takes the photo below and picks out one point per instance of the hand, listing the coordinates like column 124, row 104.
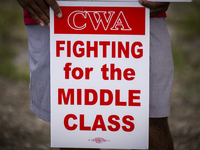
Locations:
column 155, row 7
column 39, row 9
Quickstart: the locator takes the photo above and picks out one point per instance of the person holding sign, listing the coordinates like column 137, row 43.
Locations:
column 161, row 66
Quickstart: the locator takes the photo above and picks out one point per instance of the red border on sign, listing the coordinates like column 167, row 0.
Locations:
column 101, row 20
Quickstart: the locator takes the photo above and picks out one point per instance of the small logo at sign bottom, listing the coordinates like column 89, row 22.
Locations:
column 99, row 140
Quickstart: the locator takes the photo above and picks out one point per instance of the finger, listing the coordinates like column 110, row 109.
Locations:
column 147, row 4
column 43, row 12
column 35, row 16
column 56, row 8
column 39, row 12
column 153, row 5
column 158, row 10
column 35, row 11
column 44, row 6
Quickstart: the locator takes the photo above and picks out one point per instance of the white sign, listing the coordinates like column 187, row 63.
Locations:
column 100, row 75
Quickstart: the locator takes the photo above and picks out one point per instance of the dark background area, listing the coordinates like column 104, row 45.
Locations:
column 20, row 129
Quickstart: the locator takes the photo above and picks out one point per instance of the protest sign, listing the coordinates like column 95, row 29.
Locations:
column 100, row 75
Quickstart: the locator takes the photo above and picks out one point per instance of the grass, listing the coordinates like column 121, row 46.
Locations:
column 12, row 32
column 186, row 18
column 185, row 21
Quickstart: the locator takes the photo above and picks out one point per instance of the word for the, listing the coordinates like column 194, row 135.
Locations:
column 78, row 73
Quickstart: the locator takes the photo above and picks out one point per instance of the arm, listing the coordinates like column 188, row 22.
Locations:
column 39, row 9
column 155, row 7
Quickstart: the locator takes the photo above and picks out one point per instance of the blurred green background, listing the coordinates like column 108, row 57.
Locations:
column 21, row 129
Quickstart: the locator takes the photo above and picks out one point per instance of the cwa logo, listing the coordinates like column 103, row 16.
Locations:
column 98, row 18
column 101, row 20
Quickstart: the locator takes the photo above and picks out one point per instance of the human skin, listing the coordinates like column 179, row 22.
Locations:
column 39, row 9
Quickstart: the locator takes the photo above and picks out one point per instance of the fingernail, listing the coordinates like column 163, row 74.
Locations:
column 48, row 24
column 59, row 15
column 42, row 24
column 140, row 1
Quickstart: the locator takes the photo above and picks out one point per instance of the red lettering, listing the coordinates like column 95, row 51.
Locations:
column 82, row 124
column 90, row 48
column 79, row 96
column 104, row 44
column 113, row 49
column 58, row 48
column 91, row 97
column 77, row 73
column 81, row 50
column 121, row 49
column 99, row 123
column 68, row 48
column 139, row 52
column 102, row 97
column 67, row 68
column 104, row 70
column 87, row 97
column 114, row 70
column 87, row 73
column 127, row 120
column 117, row 99
column 132, row 97
column 66, row 122
column 66, row 99
column 129, row 74
column 113, row 122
